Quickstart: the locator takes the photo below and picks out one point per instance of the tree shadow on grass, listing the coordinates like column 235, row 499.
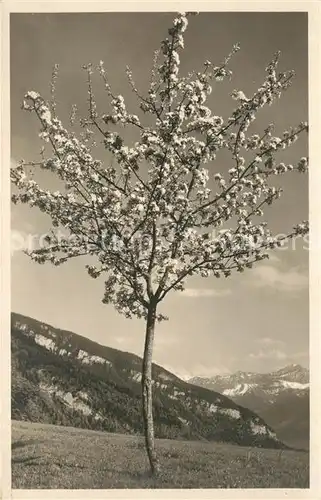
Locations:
column 32, row 460
column 28, row 460
column 22, row 443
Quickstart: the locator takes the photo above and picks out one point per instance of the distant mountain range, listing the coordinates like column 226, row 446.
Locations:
column 60, row 377
column 281, row 398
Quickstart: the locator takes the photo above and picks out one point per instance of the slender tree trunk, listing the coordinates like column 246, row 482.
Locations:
column 147, row 392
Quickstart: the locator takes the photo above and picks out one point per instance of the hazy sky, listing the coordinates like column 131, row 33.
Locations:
column 254, row 321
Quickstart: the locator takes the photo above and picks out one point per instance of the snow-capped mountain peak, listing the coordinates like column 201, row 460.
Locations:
column 293, row 373
column 293, row 377
column 281, row 397
column 239, row 390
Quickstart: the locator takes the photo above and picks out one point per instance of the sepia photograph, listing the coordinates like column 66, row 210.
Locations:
column 159, row 250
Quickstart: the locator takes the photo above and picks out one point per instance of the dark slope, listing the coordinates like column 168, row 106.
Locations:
column 62, row 378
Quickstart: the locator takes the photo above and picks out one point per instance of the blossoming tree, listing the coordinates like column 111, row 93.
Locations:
column 157, row 215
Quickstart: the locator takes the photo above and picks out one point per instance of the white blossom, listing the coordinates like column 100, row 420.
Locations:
column 146, row 218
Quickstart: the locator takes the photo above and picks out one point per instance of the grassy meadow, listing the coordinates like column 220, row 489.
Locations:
column 47, row 456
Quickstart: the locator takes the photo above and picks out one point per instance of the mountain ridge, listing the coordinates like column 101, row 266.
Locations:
column 61, row 377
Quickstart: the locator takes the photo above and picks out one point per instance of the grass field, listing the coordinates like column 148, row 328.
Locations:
column 48, row 456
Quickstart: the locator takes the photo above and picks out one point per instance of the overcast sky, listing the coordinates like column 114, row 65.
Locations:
column 255, row 321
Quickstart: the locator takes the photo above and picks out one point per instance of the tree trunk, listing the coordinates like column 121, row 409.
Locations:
column 147, row 392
